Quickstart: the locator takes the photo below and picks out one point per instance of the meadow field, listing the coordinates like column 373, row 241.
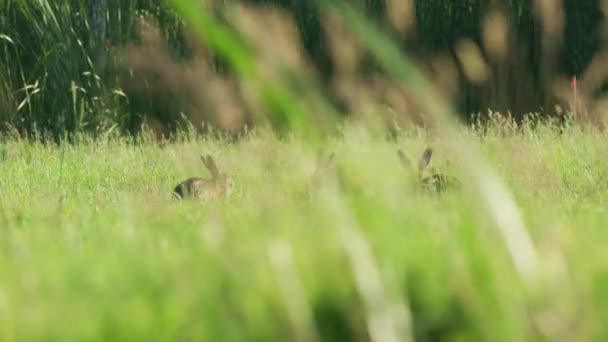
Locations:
column 94, row 247
column 106, row 105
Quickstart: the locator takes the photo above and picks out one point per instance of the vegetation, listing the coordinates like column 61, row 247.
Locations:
column 103, row 104
column 62, row 66
column 91, row 231
column 52, row 69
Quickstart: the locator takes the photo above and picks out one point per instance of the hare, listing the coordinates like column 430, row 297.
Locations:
column 320, row 176
column 219, row 186
column 435, row 181
column 321, row 170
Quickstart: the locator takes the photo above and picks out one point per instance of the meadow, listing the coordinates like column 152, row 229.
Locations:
column 105, row 106
column 94, row 247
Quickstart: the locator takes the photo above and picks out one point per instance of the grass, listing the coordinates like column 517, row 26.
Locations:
column 94, row 247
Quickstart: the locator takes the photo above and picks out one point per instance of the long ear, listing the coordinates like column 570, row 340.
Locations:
column 425, row 159
column 405, row 161
column 210, row 164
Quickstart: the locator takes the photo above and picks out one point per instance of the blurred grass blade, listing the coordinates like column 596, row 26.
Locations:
column 281, row 258
column 282, row 102
column 220, row 38
column 6, row 38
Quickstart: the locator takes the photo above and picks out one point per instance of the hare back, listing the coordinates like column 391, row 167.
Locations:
column 199, row 188
column 440, row 182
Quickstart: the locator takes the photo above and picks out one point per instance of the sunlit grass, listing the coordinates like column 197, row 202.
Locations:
column 95, row 247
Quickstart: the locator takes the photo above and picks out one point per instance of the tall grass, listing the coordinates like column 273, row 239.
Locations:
column 58, row 65
column 90, row 231
column 54, row 62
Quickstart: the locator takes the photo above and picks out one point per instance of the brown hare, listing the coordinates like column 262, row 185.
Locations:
column 435, row 181
column 219, row 186
column 322, row 170
column 320, row 176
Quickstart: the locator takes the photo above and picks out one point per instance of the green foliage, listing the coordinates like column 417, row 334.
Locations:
column 55, row 57
column 49, row 67
column 90, row 230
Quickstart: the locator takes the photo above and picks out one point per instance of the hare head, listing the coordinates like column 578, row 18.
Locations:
column 219, row 186
column 424, row 161
column 434, row 180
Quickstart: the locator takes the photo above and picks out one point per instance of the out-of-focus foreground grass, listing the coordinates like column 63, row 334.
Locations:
column 94, row 247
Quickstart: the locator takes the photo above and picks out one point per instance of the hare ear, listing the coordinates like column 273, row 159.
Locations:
column 213, row 167
column 205, row 162
column 425, row 159
column 405, row 161
column 210, row 164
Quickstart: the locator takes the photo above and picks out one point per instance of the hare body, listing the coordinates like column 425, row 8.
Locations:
column 200, row 188
column 219, row 186
column 437, row 182
column 440, row 182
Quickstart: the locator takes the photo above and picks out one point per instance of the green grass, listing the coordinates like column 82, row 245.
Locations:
column 94, row 247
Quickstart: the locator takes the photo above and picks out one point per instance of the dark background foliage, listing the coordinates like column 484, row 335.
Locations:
column 56, row 74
